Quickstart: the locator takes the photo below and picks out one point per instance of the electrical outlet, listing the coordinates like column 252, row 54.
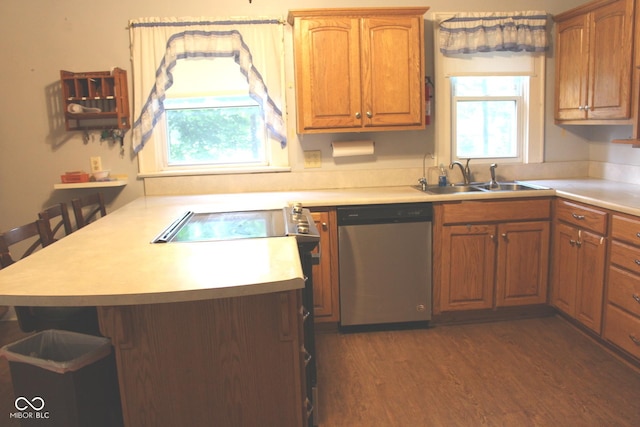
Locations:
column 313, row 159
column 96, row 164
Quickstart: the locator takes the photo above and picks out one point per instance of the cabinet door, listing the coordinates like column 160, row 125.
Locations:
column 328, row 73
column 565, row 264
column 523, row 259
column 325, row 281
column 572, row 64
column 392, row 80
column 590, row 280
column 467, row 267
column 610, row 41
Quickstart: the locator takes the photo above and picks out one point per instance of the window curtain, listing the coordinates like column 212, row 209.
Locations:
column 256, row 45
column 494, row 31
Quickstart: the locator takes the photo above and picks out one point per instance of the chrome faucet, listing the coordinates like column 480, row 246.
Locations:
column 466, row 172
column 493, row 184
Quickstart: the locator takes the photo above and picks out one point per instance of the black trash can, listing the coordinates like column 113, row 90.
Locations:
column 64, row 379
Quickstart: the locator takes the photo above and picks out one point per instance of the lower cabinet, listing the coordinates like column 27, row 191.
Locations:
column 326, row 299
column 622, row 311
column 223, row 362
column 480, row 264
column 579, row 254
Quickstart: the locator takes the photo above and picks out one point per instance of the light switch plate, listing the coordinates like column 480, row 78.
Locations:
column 96, row 164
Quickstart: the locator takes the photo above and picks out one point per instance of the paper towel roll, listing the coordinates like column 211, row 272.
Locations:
column 352, row 148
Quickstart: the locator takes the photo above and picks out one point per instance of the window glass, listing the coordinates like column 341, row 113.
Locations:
column 210, row 118
column 215, row 131
column 487, row 116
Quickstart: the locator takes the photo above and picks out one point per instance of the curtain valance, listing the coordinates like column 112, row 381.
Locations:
column 494, row 31
column 256, row 45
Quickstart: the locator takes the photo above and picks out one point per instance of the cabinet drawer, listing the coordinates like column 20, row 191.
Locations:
column 625, row 256
column 623, row 330
column 624, row 290
column 626, row 229
column 581, row 215
column 503, row 210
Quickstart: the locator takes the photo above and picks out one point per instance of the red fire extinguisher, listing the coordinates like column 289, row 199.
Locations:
column 428, row 88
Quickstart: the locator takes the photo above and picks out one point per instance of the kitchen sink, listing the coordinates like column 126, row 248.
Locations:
column 479, row 186
column 509, row 186
column 450, row 189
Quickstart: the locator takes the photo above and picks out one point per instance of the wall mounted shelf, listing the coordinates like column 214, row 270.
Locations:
column 94, row 184
column 95, row 100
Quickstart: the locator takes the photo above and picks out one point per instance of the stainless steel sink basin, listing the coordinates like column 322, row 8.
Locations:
column 475, row 187
column 508, row 186
column 449, row 189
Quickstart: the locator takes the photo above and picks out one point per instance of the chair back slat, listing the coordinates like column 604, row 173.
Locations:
column 59, row 212
column 94, row 204
column 37, row 230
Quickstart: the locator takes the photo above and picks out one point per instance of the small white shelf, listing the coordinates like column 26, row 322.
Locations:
column 91, row 184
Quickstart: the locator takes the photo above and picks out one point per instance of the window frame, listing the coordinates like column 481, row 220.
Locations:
column 522, row 108
column 245, row 102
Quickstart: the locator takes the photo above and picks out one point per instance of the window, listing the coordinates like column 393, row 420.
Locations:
column 208, row 96
column 223, row 130
column 210, row 119
column 488, row 116
column 489, row 105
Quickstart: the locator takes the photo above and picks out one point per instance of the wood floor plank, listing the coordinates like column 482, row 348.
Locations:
column 535, row 372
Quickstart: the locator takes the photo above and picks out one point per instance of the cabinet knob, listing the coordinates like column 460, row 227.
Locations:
column 572, row 242
column 358, row 115
column 324, row 226
column 369, row 114
column 504, row 236
column 636, row 297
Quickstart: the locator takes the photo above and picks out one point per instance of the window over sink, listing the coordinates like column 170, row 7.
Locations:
column 489, row 105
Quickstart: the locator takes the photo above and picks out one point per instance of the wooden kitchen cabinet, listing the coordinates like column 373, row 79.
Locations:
column 579, row 254
column 326, row 302
column 594, row 45
column 490, row 254
column 359, row 69
column 622, row 311
column 100, row 97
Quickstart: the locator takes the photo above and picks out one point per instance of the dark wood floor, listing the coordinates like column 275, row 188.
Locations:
column 536, row 372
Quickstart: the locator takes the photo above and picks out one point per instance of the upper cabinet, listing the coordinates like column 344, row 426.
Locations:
column 359, row 69
column 594, row 55
column 95, row 100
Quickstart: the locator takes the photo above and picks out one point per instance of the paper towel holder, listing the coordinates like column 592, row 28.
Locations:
column 352, row 148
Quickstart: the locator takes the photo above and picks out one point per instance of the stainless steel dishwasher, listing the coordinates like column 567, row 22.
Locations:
column 384, row 263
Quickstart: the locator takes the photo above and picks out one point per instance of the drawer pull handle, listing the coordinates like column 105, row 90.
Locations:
column 635, row 340
column 638, row 234
column 637, row 261
column 576, row 216
column 636, row 297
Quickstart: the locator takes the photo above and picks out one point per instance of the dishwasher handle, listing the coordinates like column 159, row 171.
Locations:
column 385, row 214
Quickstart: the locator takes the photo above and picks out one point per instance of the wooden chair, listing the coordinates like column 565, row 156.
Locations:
column 92, row 204
column 79, row 319
column 59, row 212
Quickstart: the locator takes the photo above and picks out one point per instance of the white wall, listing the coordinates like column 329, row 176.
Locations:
column 40, row 38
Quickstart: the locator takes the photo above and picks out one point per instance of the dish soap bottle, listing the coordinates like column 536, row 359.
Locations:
column 442, row 178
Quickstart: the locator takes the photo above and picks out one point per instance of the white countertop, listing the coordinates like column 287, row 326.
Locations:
column 112, row 262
